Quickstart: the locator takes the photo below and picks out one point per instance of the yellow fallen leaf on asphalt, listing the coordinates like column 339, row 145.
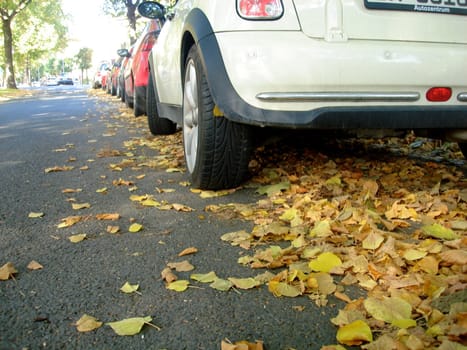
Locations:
column 178, row 286
column 354, row 333
column 113, row 229
column 78, row 206
column 135, row 227
column 204, row 277
column 34, row 215
column 129, row 288
column 244, row 283
column 58, row 168
column 102, row 190
column 108, row 216
column 280, row 289
column 388, row 309
column 87, row 323
column 221, row 284
column 71, row 190
column 325, row 262
column 241, row 345
column 129, row 326
column 77, row 238
column 7, row 271
column 34, row 265
column 69, row 221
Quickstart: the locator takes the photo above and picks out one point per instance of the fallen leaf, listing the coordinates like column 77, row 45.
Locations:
column 325, row 262
column 129, row 326
column 168, row 275
column 78, row 206
column 455, row 256
column 113, row 229
column 87, row 323
column 69, row 221
column 34, row 215
column 34, row 265
column 178, row 286
column 135, row 228
column 438, row 231
column 244, row 283
column 204, row 277
column 388, row 309
column 241, row 345
column 221, row 284
column 354, row 333
column 108, row 216
column 129, row 288
column 372, row 241
column 7, row 271
column 280, row 289
column 77, row 238
column 58, row 169
column 183, row 266
column 188, row 251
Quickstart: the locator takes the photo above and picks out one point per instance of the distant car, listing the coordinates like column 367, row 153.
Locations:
column 100, row 73
column 136, row 71
column 364, row 68
column 125, row 54
column 65, row 81
column 51, row 81
column 112, row 84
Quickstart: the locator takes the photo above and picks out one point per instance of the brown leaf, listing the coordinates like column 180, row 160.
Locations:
column 454, row 256
column 182, row 266
column 108, row 216
column 7, row 271
column 188, row 251
column 34, row 265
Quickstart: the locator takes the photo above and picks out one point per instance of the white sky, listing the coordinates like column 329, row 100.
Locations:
column 89, row 27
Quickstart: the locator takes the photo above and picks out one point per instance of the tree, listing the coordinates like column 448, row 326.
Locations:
column 84, row 61
column 8, row 12
column 119, row 8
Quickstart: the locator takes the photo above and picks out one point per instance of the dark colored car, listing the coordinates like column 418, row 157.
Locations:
column 136, row 71
column 65, row 81
column 112, row 77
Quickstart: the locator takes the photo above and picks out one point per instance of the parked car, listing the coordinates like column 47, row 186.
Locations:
column 113, row 77
column 137, row 70
column 65, row 81
column 50, row 81
column 120, row 78
column 369, row 67
column 100, row 74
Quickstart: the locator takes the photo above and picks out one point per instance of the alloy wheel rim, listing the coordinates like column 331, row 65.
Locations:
column 190, row 116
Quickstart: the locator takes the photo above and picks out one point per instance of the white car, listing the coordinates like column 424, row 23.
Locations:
column 367, row 67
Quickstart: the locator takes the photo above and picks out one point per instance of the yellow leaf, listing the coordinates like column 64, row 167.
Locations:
column 178, row 286
column 204, row 278
column 321, row 229
column 273, row 189
column 78, row 206
column 7, row 271
column 129, row 326
column 414, row 254
column 244, row 283
column 135, row 227
column 77, row 238
column 280, row 289
column 150, row 203
column 438, row 231
column 221, row 284
column 325, row 262
column 354, row 333
column 175, row 170
column 69, row 221
column 87, row 323
column 372, row 241
column 129, row 288
column 34, row 265
column 113, row 229
column 58, row 168
column 388, row 309
column 334, row 181
column 404, row 323
column 101, row 190
column 108, row 216
column 289, row 214
column 34, row 215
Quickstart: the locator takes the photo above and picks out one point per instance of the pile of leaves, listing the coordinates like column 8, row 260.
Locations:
column 393, row 227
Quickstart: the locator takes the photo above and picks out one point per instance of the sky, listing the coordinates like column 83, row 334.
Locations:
column 89, row 27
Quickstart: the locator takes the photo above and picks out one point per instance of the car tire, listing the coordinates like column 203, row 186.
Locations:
column 113, row 90
column 128, row 101
column 217, row 150
column 157, row 125
column 463, row 147
column 122, row 92
column 137, row 108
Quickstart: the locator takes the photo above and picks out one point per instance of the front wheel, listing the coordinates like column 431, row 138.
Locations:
column 217, row 150
column 157, row 125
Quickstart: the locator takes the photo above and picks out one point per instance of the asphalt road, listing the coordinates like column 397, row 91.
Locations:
column 38, row 308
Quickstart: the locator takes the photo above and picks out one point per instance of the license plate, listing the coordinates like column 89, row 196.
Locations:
column 453, row 7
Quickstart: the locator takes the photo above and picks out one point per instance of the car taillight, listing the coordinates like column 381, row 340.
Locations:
column 438, row 94
column 260, row 9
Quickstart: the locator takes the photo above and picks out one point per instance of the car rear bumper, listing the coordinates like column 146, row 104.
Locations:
column 317, row 84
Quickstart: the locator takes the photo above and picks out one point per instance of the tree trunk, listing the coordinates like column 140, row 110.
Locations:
column 8, row 51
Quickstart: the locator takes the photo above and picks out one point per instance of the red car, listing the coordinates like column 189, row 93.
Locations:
column 136, row 71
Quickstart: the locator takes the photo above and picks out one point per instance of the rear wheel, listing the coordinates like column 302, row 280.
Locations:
column 157, row 125
column 137, row 107
column 217, row 150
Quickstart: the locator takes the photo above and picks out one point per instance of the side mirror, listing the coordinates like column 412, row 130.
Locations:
column 123, row 53
column 152, row 10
